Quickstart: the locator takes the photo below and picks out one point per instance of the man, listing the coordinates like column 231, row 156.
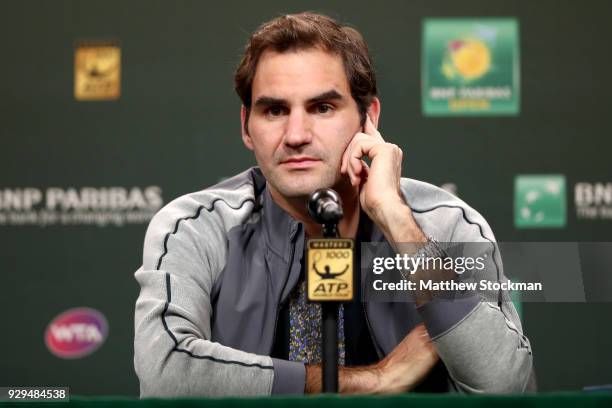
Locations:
column 222, row 310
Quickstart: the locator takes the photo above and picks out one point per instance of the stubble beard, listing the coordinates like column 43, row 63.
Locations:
column 293, row 185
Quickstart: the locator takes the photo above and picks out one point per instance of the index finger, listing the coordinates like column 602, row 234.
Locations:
column 369, row 128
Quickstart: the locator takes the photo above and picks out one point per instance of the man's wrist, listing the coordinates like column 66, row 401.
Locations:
column 313, row 384
column 397, row 223
column 351, row 380
column 359, row 380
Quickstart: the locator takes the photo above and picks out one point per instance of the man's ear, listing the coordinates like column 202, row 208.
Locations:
column 374, row 111
column 246, row 138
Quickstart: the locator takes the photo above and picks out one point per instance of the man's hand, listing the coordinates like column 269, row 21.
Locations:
column 409, row 362
column 380, row 182
column 400, row 371
column 380, row 195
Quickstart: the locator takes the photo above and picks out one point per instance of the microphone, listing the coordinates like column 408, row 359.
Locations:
column 325, row 206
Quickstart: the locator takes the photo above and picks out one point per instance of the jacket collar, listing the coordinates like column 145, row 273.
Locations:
column 282, row 230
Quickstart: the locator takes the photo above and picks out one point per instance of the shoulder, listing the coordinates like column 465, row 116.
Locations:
column 202, row 219
column 443, row 215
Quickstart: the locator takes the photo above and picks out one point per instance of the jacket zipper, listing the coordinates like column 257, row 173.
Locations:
column 280, row 304
column 278, row 308
column 365, row 313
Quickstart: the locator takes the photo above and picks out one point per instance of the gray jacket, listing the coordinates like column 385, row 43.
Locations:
column 217, row 263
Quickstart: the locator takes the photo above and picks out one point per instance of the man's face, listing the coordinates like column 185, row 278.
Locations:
column 302, row 119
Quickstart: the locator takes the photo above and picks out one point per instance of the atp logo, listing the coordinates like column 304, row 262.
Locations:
column 539, row 201
column 328, row 274
column 330, row 269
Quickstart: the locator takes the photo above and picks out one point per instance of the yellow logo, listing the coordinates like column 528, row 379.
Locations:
column 97, row 71
column 468, row 58
column 330, row 270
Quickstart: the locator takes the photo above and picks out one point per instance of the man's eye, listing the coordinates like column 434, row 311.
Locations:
column 275, row 110
column 324, row 108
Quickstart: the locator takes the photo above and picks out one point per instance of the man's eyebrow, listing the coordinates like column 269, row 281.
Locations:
column 325, row 96
column 269, row 101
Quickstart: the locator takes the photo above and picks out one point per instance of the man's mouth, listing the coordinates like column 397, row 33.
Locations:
column 300, row 162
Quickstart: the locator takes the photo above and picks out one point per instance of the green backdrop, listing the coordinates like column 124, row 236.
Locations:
column 176, row 126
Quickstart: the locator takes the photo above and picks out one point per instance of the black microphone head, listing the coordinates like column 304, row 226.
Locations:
column 325, row 206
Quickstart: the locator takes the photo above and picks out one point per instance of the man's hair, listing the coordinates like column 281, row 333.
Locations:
column 294, row 32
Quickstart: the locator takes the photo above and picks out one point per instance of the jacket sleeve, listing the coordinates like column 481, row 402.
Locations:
column 173, row 351
column 479, row 339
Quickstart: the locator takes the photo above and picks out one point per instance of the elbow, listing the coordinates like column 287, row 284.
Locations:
column 513, row 377
column 151, row 367
column 518, row 375
column 150, row 376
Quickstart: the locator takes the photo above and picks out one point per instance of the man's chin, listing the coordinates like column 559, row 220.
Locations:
column 297, row 192
column 302, row 186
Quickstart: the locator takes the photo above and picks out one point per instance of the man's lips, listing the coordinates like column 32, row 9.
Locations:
column 300, row 162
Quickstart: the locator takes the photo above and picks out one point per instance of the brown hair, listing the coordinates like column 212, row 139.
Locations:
column 303, row 31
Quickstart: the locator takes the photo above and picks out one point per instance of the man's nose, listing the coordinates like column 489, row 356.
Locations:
column 299, row 129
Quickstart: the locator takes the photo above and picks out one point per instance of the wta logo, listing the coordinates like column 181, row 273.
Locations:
column 76, row 333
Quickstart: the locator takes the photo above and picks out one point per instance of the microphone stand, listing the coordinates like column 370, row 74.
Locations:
column 329, row 327
column 325, row 207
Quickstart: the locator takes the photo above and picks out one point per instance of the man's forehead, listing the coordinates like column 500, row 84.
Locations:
column 299, row 74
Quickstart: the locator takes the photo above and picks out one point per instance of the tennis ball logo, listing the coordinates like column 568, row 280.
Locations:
column 468, row 58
